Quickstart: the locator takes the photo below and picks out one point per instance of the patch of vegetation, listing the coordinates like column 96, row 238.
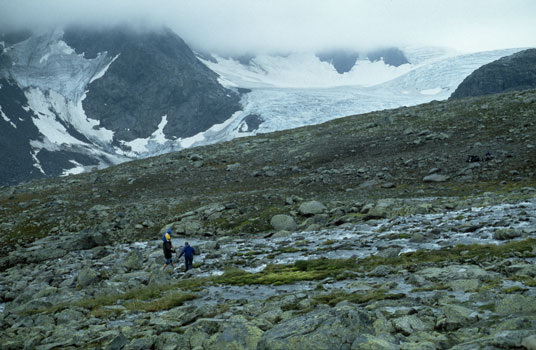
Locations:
column 338, row 269
column 258, row 221
column 514, row 289
column 168, row 301
column 136, row 296
column 456, row 254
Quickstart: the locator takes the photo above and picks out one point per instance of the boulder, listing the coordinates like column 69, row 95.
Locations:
column 133, row 260
column 86, row 277
column 369, row 342
column 283, row 222
column 435, row 178
column 506, row 234
column 455, row 317
column 515, row 304
column 410, row 324
column 455, row 272
column 311, row 208
column 159, row 277
column 324, row 328
column 238, row 334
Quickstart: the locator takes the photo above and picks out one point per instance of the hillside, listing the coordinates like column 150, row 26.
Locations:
column 368, row 230
column 515, row 72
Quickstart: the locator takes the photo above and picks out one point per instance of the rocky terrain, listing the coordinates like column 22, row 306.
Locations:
column 516, row 72
column 389, row 230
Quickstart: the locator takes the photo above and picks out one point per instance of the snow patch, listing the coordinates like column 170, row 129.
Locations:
column 4, row 116
column 44, row 58
column 141, row 146
column 52, row 106
column 101, row 73
column 37, row 163
column 78, row 169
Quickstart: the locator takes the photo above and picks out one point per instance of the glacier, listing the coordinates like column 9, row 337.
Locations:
column 299, row 90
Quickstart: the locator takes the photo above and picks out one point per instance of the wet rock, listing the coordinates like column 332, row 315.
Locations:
column 283, row 222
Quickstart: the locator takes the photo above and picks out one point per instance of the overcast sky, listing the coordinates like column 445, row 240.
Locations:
column 242, row 26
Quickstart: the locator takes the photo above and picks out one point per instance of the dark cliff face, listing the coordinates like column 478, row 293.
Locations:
column 16, row 163
column 511, row 73
column 391, row 56
column 344, row 60
column 155, row 74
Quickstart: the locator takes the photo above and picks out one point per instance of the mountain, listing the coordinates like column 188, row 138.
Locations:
column 90, row 98
column 79, row 98
column 372, row 231
column 511, row 73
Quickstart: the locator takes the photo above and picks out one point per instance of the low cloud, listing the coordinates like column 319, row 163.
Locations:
column 251, row 26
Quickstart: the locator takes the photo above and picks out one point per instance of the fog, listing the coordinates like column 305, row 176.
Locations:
column 256, row 26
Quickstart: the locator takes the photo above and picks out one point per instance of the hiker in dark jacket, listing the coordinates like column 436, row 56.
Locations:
column 188, row 255
column 167, row 246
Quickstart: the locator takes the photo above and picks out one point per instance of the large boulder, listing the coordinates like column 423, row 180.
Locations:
column 311, row 208
column 516, row 304
column 283, row 222
column 133, row 260
column 87, row 276
column 238, row 334
column 325, row 328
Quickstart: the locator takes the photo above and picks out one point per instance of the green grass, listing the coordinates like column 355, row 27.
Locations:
column 168, row 301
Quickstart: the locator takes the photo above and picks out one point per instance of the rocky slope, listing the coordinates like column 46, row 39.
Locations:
column 366, row 232
column 511, row 73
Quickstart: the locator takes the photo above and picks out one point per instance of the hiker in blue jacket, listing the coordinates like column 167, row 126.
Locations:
column 167, row 246
column 188, row 255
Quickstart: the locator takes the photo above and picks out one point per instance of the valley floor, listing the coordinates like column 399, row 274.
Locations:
column 458, row 279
